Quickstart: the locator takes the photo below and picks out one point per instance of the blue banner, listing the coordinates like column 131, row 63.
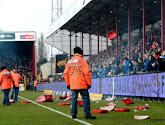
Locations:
column 145, row 85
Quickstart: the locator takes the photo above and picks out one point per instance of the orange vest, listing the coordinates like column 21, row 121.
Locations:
column 5, row 79
column 77, row 73
column 17, row 78
column 35, row 83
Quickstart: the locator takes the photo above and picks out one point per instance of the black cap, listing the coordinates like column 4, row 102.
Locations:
column 78, row 50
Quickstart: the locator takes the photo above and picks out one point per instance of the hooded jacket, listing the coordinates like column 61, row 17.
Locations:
column 77, row 74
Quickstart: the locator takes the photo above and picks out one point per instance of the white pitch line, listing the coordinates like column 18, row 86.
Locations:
column 83, row 122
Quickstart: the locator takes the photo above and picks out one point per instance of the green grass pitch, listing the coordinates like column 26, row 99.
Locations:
column 31, row 114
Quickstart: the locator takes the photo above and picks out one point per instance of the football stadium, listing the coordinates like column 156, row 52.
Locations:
column 111, row 69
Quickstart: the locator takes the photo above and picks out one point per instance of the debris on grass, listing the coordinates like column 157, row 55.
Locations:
column 138, row 117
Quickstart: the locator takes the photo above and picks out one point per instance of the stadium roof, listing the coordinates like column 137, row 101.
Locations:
column 97, row 9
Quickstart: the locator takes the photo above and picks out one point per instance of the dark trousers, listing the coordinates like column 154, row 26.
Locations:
column 6, row 96
column 16, row 90
column 85, row 95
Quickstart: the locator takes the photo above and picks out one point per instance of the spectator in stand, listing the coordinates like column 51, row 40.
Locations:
column 136, row 67
column 140, row 64
column 157, row 61
column 94, row 72
column 105, row 67
column 127, row 65
column 117, row 69
column 162, row 62
column 131, row 66
column 150, row 64
column 146, row 62
column 100, row 71
column 112, row 70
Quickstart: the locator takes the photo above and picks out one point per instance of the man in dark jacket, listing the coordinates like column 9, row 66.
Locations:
column 150, row 64
column 136, row 67
column 140, row 64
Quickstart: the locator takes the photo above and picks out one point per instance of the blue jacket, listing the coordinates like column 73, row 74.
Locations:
column 127, row 67
column 100, row 73
column 146, row 64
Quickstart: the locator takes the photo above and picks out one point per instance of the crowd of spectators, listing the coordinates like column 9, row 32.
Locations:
column 53, row 78
column 12, row 60
column 152, row 61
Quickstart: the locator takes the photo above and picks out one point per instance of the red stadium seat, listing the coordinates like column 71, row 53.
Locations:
column 127, row 101
column 63, row 104
column 122, row 110
column 11, row 100
column 100, row 111
column 41, row 99
column 54, row 97
column 137, row 117
column 48, row 98
column 68, row 98
column 80, row 102
column 141, row 107
column 111, row 35
column 63, row 97
column 25, row 102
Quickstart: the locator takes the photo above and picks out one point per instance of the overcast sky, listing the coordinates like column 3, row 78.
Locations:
column 27, row 15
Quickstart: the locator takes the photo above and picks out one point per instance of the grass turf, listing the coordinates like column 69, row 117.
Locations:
column 31, row 114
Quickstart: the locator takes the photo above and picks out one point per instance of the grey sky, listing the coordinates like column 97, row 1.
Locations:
column 27, row 15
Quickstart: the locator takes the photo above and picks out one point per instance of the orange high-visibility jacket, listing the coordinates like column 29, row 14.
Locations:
column 12, row 75
column 35, row 83
column 77, row 73
column 17, row 78
column 5, row 79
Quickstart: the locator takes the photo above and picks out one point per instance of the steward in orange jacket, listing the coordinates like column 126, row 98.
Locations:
column 5, row 79
column 35, row 84
column 16, row 78
column 77, row 75
column 77, row 78
column 6, row 83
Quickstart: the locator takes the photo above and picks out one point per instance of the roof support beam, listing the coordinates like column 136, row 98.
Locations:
column 106, row 33
column 163, row 24
column 117, row 41
column 98, row 36
column 144, row 27
column 129, row 29
column 70, row 44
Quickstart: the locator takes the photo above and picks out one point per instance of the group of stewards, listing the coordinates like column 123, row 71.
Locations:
column 9, row 80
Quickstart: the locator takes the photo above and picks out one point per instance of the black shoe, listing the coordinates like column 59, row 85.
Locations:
column 89, row 116
column 74, row 116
